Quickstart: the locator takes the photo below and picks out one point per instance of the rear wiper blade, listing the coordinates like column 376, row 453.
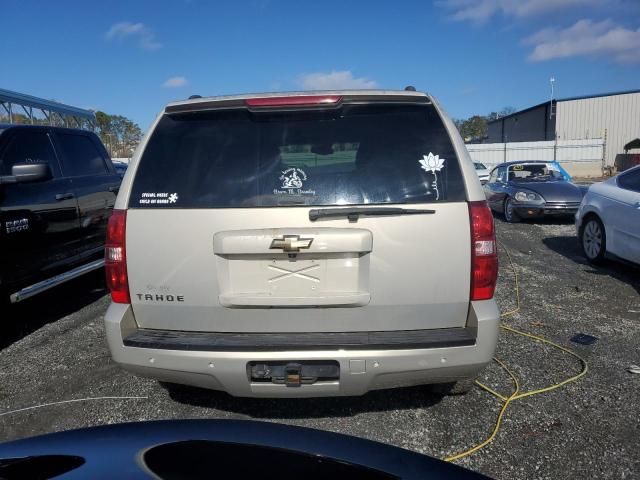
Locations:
column 353, row 213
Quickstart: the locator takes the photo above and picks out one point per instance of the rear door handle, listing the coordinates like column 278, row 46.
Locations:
column 64, row 196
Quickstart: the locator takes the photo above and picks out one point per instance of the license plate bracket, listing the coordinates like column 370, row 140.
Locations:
column 293, row 373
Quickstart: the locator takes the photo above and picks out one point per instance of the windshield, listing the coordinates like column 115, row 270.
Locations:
column 534, row 172
column 354, row 155
column 479, row 166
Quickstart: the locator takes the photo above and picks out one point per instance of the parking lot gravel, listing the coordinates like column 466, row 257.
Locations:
column 53, row 349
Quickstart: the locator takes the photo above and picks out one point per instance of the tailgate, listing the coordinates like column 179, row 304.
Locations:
column 259, row 270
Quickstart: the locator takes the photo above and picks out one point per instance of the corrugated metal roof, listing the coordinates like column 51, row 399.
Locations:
column 519, row 112
column 568, row 99
column 610, row 94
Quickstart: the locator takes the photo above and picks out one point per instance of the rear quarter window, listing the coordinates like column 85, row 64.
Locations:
column 630, row 180
column 80, row 155
column 358, row 154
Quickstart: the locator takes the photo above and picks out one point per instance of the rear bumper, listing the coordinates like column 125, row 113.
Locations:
column 363, row 366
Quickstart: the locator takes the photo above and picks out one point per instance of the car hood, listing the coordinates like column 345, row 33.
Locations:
column 553, row 191
column 228, row 448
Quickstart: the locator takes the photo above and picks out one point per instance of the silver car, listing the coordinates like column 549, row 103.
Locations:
column 608, row 221
column 301, row 245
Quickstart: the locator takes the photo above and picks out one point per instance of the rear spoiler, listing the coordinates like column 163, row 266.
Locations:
column 242, row 103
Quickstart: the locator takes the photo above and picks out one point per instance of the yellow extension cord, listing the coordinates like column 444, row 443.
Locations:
column 516, row 395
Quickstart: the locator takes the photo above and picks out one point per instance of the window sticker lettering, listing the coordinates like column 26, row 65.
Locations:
column 293, row 183
column 158, row 198
column 432, row 163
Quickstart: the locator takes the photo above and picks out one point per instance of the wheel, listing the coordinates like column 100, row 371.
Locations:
column 593, row 240
column 461, row 387
column 509, row 213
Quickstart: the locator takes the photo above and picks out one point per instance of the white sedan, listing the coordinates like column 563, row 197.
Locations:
column 482, row 171
column 608, row 220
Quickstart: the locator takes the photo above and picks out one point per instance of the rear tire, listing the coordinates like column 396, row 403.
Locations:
column 461, row 387
column 510, row 214
column 593, row 240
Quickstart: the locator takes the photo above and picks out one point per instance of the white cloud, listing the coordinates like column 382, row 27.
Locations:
column 334, row 80
column 145, row 38
column 482, row 10
column 175, row 82
column 586, row 38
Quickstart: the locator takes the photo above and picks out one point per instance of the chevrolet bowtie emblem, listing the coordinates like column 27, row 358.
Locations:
column 291, row 243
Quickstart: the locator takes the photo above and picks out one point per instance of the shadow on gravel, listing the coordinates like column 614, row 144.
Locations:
column 550, row 220
column 568, row 247
column 293, row 408
column 21, row 319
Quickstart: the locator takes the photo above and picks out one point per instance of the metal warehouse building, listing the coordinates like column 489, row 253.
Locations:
column 614, row 117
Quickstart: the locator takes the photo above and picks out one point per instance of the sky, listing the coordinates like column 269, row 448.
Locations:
column 476, row 56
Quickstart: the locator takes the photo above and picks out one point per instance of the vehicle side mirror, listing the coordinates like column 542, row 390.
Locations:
column 30, row 172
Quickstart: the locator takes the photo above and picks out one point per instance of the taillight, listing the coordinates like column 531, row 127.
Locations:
column 115, row 257
column 293, row 101
column 484, row 256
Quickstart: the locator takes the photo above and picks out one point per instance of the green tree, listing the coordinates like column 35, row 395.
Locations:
column 119, row 134
column 475, row 127
column 15, row 117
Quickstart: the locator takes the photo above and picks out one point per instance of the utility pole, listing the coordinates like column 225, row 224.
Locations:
column 606, row 170
column 552, row 82
column 504, row 159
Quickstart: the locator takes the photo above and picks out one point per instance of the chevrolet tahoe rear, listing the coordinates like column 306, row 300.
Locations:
column 303, row 244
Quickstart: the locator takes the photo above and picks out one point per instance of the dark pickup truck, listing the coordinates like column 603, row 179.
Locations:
column 57, row 190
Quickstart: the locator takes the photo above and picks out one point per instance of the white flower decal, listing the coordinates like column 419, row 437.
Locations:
column 173, row 198
column 432, row 163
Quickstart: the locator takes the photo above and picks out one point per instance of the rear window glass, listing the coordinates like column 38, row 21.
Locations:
column 375, row 154
column 522, row 172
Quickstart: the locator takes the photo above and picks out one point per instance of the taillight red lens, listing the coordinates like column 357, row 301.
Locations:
column 294, row 101
column 115, row 257
column 484, row 256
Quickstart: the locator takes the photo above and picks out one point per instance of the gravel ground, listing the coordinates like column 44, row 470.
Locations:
column 589, row 429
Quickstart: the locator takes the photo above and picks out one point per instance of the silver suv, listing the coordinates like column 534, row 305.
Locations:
column 301, row 245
